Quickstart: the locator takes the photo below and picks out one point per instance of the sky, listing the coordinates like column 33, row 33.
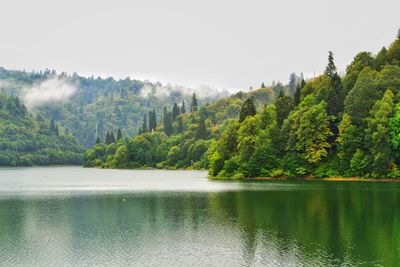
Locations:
column 231, row 44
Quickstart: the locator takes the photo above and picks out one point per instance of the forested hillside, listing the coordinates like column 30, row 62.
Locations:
column 25, row 141
column 332, row 125
column 95, row 105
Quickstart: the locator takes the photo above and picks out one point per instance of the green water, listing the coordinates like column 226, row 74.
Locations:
column 73, row 217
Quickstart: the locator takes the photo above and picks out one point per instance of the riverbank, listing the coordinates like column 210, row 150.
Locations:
column 330, row 179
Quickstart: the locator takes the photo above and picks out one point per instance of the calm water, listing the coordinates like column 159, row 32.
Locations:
column 69, row 216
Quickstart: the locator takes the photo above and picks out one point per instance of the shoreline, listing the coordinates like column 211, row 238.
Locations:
column 329, row 179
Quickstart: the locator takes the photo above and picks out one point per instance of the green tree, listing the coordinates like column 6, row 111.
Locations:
column 175, row 112
column 248, row 109
column 167, row 122
column 283, row 106
column 292, row 83
column 378, row 134
column 309, row 131
column 330, row 70
column 194, row 106
column 119, row 134
column 202, row 129
column 98, row 141
column 362, row 97
column 144, row 124
column 183, row 107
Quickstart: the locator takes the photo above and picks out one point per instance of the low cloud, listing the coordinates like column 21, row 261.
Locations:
column 53, row 90
column 162, row 91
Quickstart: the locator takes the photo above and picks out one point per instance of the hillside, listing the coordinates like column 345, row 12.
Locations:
column 88, row 107
column 25, row 141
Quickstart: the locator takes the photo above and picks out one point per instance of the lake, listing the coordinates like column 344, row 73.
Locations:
column 72, row 216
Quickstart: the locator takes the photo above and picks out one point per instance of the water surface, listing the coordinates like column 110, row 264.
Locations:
column 70, row 216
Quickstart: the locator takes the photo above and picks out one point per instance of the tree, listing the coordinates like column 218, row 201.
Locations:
column 398, row 34
column 152, row 120
column 107, row 138
column 377, row 134
column 183, row 107
column 119, row 134
column 308, row 132
column 112, row 137
column 248, row 109
column 292, row 83
column 263, row 85
column 350, row 137
column 202, row 129
column 180, row 125
column 175, row 112
column 98, row 141
column 167, row 122
column 331, row 68
column 247, row 137
column 144, row 124
column 283, row 106
column 52, row 126
column 362, row 97
column 194, row 106
column 297, row 93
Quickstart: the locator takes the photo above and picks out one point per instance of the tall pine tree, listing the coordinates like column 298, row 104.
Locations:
column 183, row 107
column 194, row 106
column 119, row 134
column 175, row 112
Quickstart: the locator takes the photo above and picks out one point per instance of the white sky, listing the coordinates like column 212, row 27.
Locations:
column 229, row 44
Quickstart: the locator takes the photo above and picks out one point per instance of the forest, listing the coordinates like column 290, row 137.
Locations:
column 27, row 141
column 331, row 125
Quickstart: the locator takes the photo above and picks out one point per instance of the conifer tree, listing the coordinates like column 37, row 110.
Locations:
column 119, row 134
column 167, row 122
column 144, row 125
column 292, row 83
column 331, row 68
column 107, row 138
column 98, row 141
column 248, row 109
column 112, row 137
column 297, row 94
column 194, row 106
column 175, row 112
column 183, row 107
column 263, row 85
column 56, row 130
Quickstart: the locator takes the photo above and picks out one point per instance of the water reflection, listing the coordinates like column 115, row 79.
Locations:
column 327, row 224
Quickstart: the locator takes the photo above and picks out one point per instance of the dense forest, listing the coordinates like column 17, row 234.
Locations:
column 96, row 105
column 331, row 125
column 26, row 141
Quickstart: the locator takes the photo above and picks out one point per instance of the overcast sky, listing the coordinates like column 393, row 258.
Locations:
column 222, row 43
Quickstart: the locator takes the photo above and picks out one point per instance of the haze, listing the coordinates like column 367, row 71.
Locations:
column 225, row 44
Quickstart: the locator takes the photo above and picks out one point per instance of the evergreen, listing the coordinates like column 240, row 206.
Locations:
column 248, row 109
column 183, row 107
column 175, row 112
column 98, row 141
column 119, row 134
column 194, row 106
